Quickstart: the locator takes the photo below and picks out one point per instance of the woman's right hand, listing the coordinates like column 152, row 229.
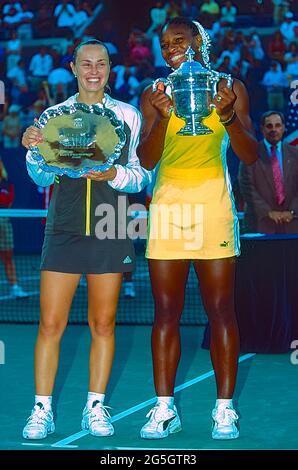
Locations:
column 32, row 136
column 161, row 102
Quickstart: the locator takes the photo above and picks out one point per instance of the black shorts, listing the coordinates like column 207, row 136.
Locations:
column 68, row 253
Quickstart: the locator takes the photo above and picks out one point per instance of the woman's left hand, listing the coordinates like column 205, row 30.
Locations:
column 224, row 102
column 107, row 175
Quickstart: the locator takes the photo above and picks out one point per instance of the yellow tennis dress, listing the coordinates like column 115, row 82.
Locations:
column 192, row 214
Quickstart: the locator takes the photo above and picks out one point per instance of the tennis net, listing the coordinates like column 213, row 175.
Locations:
column 22, row 231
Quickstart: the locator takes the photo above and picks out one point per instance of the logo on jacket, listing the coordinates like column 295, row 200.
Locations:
column 127, row 260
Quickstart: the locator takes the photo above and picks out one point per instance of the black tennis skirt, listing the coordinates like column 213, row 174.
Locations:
column 68, row 253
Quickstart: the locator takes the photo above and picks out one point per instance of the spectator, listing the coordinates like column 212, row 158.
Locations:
column 25, row 26
column 11, row 127
column 11, row 5
column 255, row 47
column 65, row 13
column 232, row 53
column 280, row 8
column 173, row 8
column 80, row 17
column 126, row 83
column 44, row 22
column 189, row 9
column 140, row 52
column 161, row 69
column 287, row 27
column 18, row 78
column 27, row 116
column 276, row 47
column 6, row 236
column 158, row 15
column 40, row 66
column 269, row 186
column 11, row 21
column 3, row 113
column 60, row 80
column 228, row 14
column 291, row 59
column 210, row 8
column 13, row 51
column 275, row 82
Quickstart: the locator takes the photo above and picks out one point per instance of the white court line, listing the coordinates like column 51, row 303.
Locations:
column 45, row 445
column 33, row 444
column 134, row 409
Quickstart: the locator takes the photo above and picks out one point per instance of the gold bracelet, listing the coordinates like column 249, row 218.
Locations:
column 230, row 120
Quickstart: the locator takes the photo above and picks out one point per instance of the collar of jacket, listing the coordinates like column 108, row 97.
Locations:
column 108, row 101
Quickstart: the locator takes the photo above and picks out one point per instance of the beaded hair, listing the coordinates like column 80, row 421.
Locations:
column 206, row 43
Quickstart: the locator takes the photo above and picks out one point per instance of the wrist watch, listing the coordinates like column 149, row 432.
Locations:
column 293, row 214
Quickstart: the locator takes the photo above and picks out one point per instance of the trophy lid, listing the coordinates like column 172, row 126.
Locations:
column 189, row 67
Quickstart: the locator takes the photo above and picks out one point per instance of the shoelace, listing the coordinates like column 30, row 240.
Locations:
column 159, row 412
column 225, row 416
column 38, row 416
column 99, row 413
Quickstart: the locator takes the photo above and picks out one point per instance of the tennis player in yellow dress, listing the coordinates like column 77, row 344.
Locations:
column 193, row 219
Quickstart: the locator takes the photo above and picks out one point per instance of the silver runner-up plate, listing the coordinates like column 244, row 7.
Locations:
column 78, row 138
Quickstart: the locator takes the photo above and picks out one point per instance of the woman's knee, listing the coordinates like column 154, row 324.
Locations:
column 102, row 327
column 220, row 309
column 51, row 328
column 167, row 314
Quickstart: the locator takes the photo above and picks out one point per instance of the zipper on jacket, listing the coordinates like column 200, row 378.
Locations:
column 88, row 206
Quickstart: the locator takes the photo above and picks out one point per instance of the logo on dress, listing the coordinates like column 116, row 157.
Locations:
column 224, row 244
column 127, row 260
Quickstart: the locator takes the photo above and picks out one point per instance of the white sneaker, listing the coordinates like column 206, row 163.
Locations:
column 17, row 292
column 163, row 421
column 39, row 424
column 225, row 423
column 129, row 290
column 97, row 420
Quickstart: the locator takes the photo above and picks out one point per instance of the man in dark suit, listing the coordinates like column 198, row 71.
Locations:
column 270, row 185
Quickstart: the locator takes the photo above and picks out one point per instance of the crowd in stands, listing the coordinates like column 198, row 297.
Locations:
column 37, row 74
column 38, row 40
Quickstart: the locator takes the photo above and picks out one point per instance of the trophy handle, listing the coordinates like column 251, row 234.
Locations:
column 165, row 81
column 215, row 77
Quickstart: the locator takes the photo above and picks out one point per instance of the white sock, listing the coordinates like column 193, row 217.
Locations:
column 168, row 400
column 93, row 396
column 46, row 400
column 226, row 402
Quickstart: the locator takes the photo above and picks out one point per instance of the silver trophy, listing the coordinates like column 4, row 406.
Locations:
column 78, row 138
column 193, row 87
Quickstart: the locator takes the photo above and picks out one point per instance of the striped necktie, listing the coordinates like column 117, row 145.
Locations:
column 277, row 177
